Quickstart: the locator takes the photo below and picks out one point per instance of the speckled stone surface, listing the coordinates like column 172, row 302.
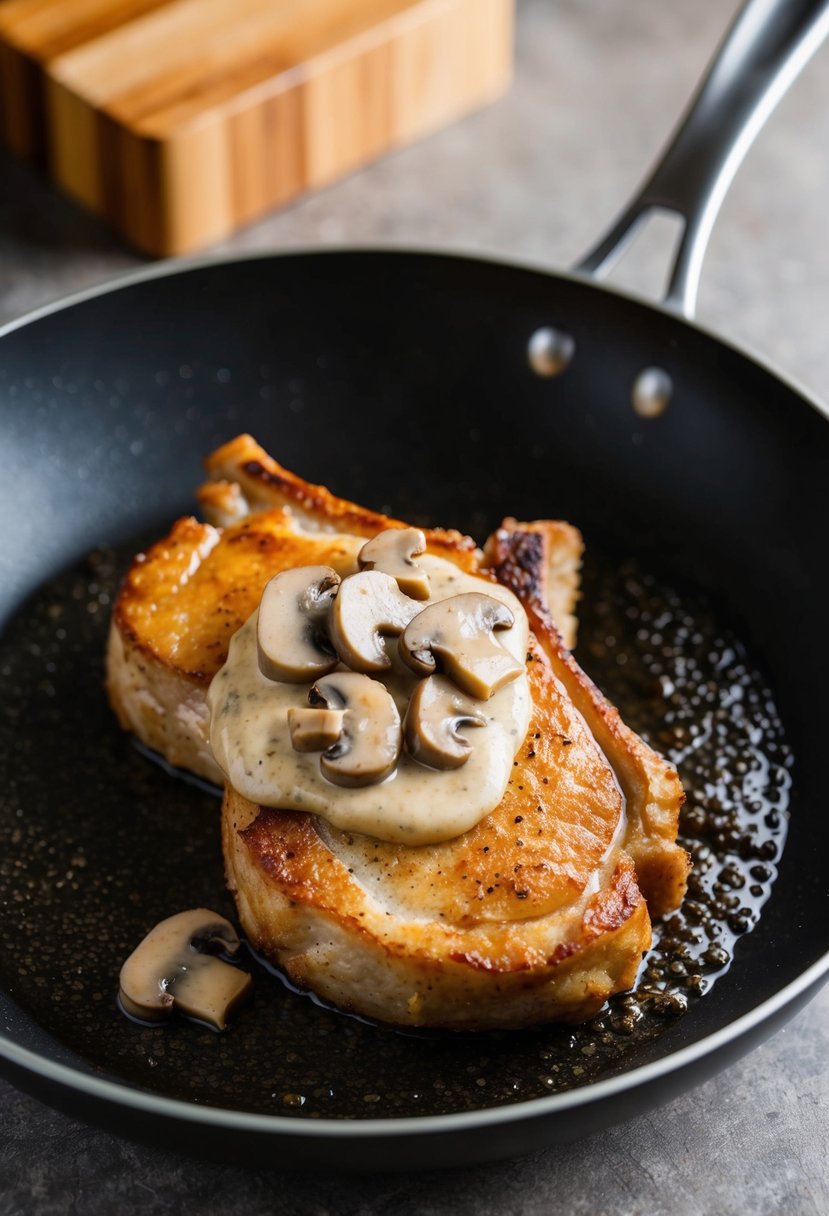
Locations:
column 534, row 178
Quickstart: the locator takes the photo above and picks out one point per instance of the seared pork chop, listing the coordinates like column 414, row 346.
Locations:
column 540, row 911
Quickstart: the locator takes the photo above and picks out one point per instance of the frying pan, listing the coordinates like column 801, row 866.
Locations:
column 439, row 388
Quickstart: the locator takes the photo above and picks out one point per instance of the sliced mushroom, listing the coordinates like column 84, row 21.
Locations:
column 291, row 631
column 436, row 714
column 371, row 737
column 312, row 730
column 393, row 552
column 369, row 605
column 176, row 964
column 459, row 633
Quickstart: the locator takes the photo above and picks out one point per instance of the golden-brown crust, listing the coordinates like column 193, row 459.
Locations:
column 541, row 563
column 184, row 599
column 651, row 785
column 263, row 484
column 300, row 904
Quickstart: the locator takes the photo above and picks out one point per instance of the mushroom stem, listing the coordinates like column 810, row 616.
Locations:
column 312, row 730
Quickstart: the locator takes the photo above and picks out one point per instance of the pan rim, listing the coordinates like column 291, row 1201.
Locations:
column 183, row 265
column 121, row 1094
column 548, row 1104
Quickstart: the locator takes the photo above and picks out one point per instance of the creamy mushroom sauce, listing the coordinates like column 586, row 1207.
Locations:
column 415, row 804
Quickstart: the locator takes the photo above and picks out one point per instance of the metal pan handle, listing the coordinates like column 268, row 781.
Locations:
column 762, row 53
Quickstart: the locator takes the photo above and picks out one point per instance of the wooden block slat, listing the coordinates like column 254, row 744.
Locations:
column 33, row 33
column 46, row 30
column 178, row 120
column 21, row 104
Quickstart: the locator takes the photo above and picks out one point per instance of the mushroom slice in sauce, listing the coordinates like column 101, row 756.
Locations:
column 176, row 964
column 436, row 714
column 458, row 633
column 313, row 730
column 371, row 737
column 368, row 606
column 291, row 635
column 393, row 552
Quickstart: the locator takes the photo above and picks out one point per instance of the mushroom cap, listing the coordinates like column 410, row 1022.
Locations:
column 393, row 552
column 436, row 713
column 176, row 964
column 458, row 632
column 368, row 606
column 291, row 631
column 371, row 738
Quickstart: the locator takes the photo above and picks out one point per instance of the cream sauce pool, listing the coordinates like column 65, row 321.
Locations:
column 415, row 804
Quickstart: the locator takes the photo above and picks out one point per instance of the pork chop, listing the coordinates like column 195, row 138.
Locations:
column 539, row 912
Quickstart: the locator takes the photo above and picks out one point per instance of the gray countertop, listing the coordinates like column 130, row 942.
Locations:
column 533, row 178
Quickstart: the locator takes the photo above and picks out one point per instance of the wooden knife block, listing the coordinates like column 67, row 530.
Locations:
column 180, row 120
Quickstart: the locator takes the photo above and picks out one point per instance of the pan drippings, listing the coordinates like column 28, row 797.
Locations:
column 100, row 845
column 690, row 690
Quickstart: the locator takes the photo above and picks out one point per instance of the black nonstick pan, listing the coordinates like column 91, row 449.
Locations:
column 453, row 391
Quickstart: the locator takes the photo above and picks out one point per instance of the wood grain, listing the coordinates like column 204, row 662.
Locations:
column 179, row 120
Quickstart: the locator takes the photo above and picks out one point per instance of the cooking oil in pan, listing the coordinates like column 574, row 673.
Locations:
column 100, row 845
column 689, row 688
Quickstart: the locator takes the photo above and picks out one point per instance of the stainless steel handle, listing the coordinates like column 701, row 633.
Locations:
column 762, row 53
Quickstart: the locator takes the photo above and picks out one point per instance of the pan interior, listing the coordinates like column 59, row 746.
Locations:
column 108, row 843
column 402, row 382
